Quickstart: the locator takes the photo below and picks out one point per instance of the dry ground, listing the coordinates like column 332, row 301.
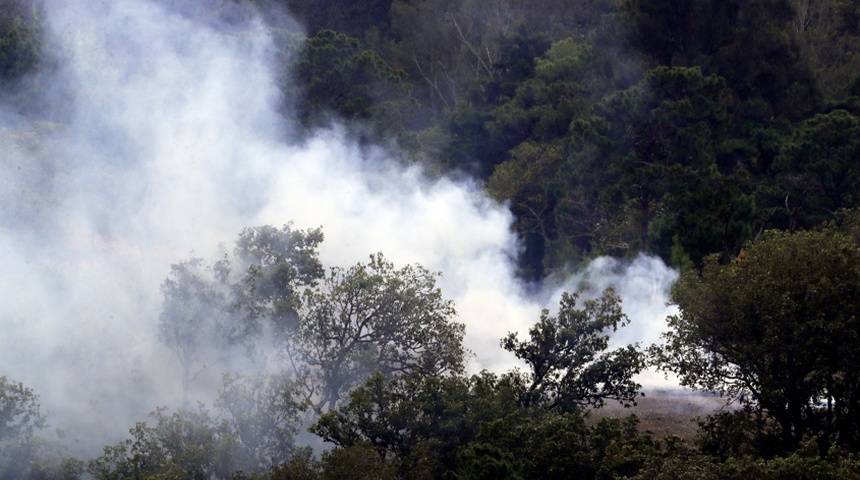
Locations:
column 666, row 412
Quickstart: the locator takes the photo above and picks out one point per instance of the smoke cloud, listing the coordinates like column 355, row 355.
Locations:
column 164, row 139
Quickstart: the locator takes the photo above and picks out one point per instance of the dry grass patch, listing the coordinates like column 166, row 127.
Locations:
column 666, row 412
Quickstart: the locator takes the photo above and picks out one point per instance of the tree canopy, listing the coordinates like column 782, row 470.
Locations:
column 721, row 136
column 565, row 354
column 375, row 318
column 777, row 329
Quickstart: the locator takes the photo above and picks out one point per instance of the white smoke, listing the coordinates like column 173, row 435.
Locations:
column 171, row 142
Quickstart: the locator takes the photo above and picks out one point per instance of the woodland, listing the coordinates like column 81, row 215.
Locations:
column 722, row 136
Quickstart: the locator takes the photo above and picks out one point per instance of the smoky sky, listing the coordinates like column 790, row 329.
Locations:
column 159, row 136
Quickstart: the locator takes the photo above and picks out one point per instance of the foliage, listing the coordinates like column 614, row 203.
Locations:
column 341, row 15
column 208, row 311
column 775, row 329
column 738, row 433
column 303, row 466
column 679, row 462
column 194, row 318
column 264, row 413
column 184, row 444
column 675, row 127
column 487, row 426
column 252, row 432
column 273, row 266
column 19, row 410
column 335, row 75
column 519, row 182
column 356, row 462
column 818, row 168
column 669, row 127
column 23, row 454
column 474, row 427
column 569, row 367
column 416, row 420
column 805, row 463
column 334, row 329
column 20, row 40
column 373, row 317
column 749, row 43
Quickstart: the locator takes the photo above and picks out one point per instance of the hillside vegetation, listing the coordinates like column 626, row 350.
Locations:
column 722, row 136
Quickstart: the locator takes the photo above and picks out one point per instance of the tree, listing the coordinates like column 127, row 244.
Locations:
column 419, row 422
column 252, row 431
column 354, row 19
column 22, row 453
column 19, row 410
column 273, row 266
column 565, row 354
column 356, row 462
column 778, row 330
column 185, row 444
column 210, row 311
column 334, row 330
column 749, row 43
column 194, row 319
column 335, row 75
column 372, row 317
column 660, row 159
column 818, row 169
column 20, row 40
column 520, row 181
column 264, row 412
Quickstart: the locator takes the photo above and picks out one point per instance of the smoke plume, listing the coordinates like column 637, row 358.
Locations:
column 158, row 135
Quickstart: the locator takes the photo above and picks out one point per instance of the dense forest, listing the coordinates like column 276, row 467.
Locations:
column 720, row 136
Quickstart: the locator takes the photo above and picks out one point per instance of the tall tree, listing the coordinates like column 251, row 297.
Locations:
column 645, row 149
column 373, row 317
column 817, row 168
column 23, row 454
column 336, row 78
column 749, row 43
column 212, row 313
column 272, row 267
column 195, row 319
column 777, row 329
column 566, row 354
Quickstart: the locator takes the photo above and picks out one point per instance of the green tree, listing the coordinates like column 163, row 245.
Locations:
column 373, row 317
column 336, row 77
column 264, row 412
column 354, row 19
column 210, row 313
column 776, row 329
column 300, row 467
column 19, row 410
column 185, row 444
column 335, row 329
column 749, row 43
column 660, row 159
column 521, row 181
column 251, row 432
column 272, row 267
column 817, row 168
column 20, row 39
column 569, row 367
column 194, row 319
column 417, row 421
column 23, row 454
column 356, row 462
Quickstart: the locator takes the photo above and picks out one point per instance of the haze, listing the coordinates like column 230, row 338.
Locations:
column 158, row 135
